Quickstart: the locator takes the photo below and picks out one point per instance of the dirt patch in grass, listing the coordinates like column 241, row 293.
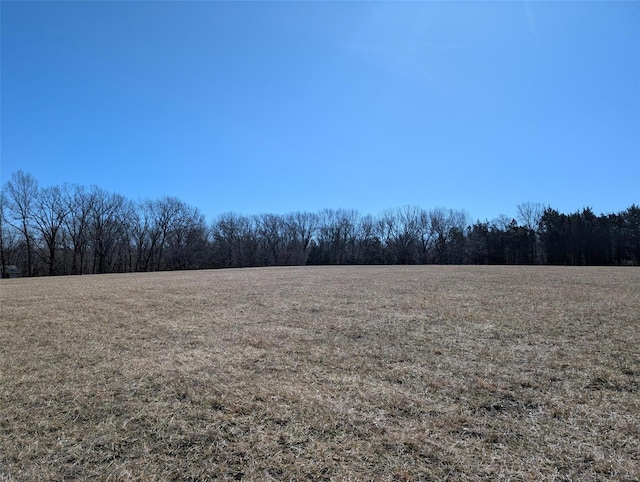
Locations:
column 328, row 373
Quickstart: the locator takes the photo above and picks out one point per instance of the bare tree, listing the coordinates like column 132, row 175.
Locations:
column 165, row 212
column 403, row 231
column 301, row 228
column 502, row 222
column 369, row 248
column 3, row 258
column 21, row 194
column 108, row 228
column 49, row 214
column 530, row 214
column 186, row 239
column 426, row 234
column 446, row 225
column 271, row 232
column 145, row 235
column 386, row 227
column 11, row 248
column 336, row 235
column 78, row 202
column 234, row 241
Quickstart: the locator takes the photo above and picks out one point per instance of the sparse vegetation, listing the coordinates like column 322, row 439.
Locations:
column 326, row 373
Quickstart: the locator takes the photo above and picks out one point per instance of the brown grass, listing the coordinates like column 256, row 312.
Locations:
column 331, row 373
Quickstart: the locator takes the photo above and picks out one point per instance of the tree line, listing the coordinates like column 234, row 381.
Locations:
column 73, row 229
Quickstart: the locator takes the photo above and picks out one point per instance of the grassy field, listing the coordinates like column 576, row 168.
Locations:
column 328, row 373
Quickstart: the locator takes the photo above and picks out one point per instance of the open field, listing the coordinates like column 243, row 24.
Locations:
column 328, row 373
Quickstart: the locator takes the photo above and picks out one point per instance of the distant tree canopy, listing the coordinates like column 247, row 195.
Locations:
column 73, row 229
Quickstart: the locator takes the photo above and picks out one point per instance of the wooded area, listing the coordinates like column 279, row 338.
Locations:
column 73, row 229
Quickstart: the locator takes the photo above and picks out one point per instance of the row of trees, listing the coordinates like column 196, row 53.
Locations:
column 77, row 230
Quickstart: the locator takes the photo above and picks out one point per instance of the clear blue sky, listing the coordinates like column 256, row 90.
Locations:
column 286, row 106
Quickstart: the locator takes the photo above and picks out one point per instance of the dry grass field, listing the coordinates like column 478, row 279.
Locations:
column 327, row 373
